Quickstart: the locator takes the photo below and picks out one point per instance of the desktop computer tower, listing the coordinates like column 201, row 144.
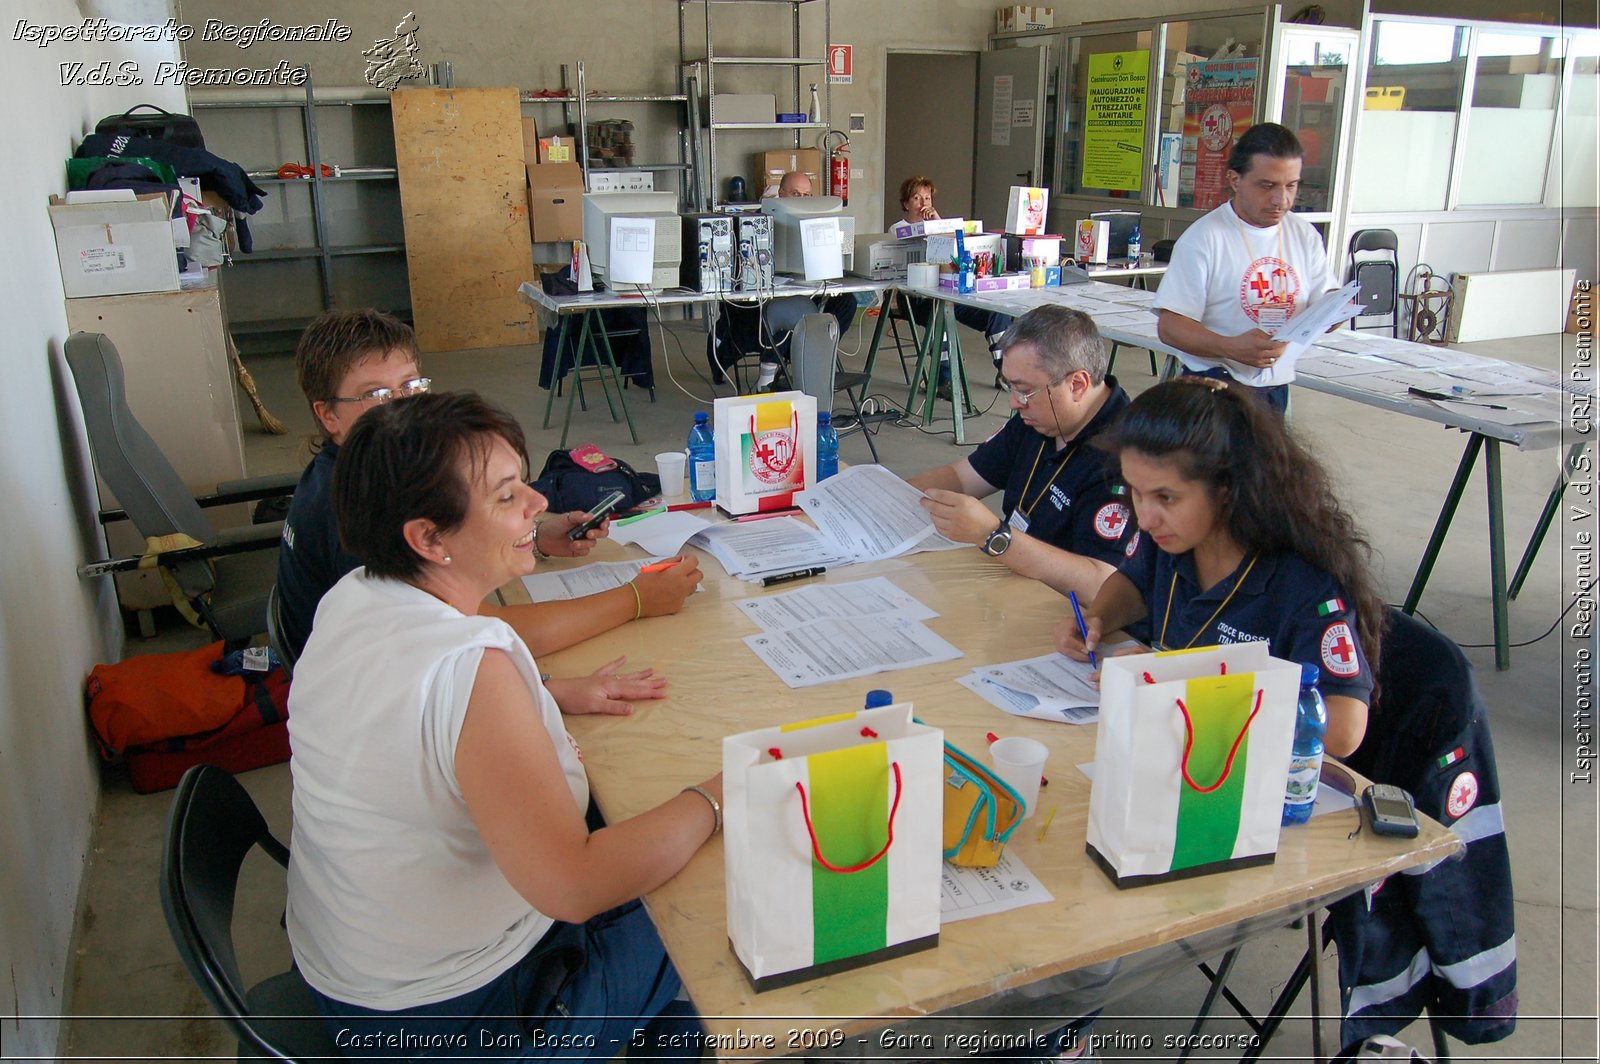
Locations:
column 709, row 255
column 754, row 259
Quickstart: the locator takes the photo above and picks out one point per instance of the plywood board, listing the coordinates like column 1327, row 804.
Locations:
column 463, row 195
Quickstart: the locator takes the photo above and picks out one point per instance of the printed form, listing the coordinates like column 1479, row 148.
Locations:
column 842, row 648
column 871, row 513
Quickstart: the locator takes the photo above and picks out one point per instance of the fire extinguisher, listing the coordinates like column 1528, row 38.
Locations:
column 838, row 165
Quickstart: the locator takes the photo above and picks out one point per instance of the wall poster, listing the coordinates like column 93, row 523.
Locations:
column 1218, row 106
column 1113, row 123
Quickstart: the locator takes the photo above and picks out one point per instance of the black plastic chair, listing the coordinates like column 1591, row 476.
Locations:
column 212, row 826
column 1379, row 277
column 225, row 579
column 286, row 654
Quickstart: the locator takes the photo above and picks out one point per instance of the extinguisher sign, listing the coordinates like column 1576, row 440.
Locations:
column 841, row 64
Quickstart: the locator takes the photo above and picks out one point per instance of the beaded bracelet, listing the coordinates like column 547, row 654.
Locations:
column 716, row 806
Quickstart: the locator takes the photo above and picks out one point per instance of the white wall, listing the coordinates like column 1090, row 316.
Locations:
column 53, row 626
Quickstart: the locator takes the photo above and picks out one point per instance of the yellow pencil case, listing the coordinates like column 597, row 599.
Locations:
column 980, row 811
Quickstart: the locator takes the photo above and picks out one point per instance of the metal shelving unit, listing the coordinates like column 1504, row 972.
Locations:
column 575, row 113
column 704, row 66
column 324, row 251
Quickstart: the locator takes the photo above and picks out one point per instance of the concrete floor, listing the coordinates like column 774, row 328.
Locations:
column 133, row 1000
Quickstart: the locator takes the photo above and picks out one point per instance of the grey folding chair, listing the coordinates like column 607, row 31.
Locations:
column 226, row 578
column 814, row 361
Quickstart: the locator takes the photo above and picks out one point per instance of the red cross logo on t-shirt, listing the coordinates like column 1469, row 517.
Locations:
column 1110, row 520
column 1260, row 285
column 1269, row 282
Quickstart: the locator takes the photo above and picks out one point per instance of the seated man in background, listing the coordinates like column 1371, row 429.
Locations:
column 349, row 362
column 1062, row 523
column 766, row 327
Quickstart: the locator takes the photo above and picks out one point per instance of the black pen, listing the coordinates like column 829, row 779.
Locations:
column 1441, row 397
column 798, row 574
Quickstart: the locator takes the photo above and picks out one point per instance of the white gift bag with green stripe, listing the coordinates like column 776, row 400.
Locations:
column 1191, row 761
column 833, row 843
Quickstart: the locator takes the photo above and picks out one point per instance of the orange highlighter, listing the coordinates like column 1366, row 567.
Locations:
column 659, row 566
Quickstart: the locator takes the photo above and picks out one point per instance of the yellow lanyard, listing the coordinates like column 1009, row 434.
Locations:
column 1172, row 589
column 1022, row 496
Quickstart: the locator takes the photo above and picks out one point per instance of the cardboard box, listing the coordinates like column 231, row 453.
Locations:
column 770, row 166
column 530, row 142
column 1019, row 249
column 1004, row 282
column 557, row 150
column 744, row 107
column 934, row 226
column 555, row 201
column 115, row 248
column 1016, row 17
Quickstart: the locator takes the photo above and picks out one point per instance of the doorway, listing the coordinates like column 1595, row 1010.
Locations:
column 929, row 111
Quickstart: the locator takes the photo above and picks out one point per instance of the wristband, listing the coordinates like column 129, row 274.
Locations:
column 716, row 806
column 638, row 603
column 538, row 551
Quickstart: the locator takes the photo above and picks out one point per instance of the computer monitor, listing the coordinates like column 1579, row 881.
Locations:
column 600, row 209
column 790, row 237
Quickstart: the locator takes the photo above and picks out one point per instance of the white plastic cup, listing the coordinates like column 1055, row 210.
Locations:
column 671, row 465
column 1020, row 762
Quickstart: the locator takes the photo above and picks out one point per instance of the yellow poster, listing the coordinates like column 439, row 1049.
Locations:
column 1113, row 124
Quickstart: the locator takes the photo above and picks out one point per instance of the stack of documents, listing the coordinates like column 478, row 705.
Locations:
column 1049, row 687
column 826, row 632
column 583, row 580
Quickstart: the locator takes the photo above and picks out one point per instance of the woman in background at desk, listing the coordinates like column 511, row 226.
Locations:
column 916, row 200
column 443, row 884
column 1240, row 537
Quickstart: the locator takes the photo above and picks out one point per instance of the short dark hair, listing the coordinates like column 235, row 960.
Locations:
column 1065, row 340
column 1264, row 138
column 414, row 457
column 909, row 186
column 341, row 338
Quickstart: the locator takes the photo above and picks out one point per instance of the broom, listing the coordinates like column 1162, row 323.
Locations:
column 248, row 383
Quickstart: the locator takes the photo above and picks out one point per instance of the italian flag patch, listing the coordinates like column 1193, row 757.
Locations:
column 1330, row 607
column 1452, row 757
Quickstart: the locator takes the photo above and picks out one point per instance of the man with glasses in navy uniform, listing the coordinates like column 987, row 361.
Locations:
column 1061, row 520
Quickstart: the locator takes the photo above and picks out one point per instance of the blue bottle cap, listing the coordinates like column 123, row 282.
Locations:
column 1309, row 675
column 700, row 415
column 879, row 697
column 824, row 418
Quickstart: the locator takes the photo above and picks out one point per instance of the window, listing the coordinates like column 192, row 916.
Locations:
column 1105, row 136
column 1573, row 180
column 1515, row 95
column 1211, row 75
column 1408, row 121
column 1316, row 78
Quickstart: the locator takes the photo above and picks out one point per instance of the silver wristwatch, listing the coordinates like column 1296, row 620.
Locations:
column 997, row 541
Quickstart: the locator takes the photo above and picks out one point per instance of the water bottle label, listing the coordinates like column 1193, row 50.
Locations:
column 1303, row 776
column 705, row 475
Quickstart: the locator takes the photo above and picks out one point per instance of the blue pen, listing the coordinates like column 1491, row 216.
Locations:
column 1083, row 629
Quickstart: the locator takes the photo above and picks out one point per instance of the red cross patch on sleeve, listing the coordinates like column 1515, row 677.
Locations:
column 1339, row 650
column 1111, row 520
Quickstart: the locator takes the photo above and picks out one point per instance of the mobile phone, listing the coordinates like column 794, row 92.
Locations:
column 1391, row 810
column 598, row 515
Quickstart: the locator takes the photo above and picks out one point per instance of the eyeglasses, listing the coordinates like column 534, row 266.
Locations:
column 414, row 386
column 1024, row 398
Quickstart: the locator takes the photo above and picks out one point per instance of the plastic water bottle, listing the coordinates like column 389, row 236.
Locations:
column 1305, row 765
column 827, row 446
column 702, row 459
column 966, row 272
column 1135, row 245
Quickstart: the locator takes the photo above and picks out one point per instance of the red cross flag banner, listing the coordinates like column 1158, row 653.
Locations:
column 1217, row 106
column 766, row 450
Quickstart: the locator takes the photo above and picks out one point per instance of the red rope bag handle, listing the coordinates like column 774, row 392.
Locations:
column 1188, row 744
column 816, row 847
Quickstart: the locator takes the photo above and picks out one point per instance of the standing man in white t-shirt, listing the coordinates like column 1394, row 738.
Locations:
column 1244, row 269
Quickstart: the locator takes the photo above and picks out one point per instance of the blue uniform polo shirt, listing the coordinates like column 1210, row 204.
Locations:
column 310, row 558
column 1297, row 608
column 1065, row 495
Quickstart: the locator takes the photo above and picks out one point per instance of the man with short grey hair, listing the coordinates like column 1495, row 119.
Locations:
column 1061, row 520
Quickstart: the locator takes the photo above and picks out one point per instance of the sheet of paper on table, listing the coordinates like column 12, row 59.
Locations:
column 970, row 892
column 758, row 548
column 1022, row 704
column 871, row 513
column 842, row 648
column 582, row 580
column 877, row 596
column 660, row 533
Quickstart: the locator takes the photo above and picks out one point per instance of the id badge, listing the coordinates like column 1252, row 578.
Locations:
column 1019, row 521
column 1270, row 319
